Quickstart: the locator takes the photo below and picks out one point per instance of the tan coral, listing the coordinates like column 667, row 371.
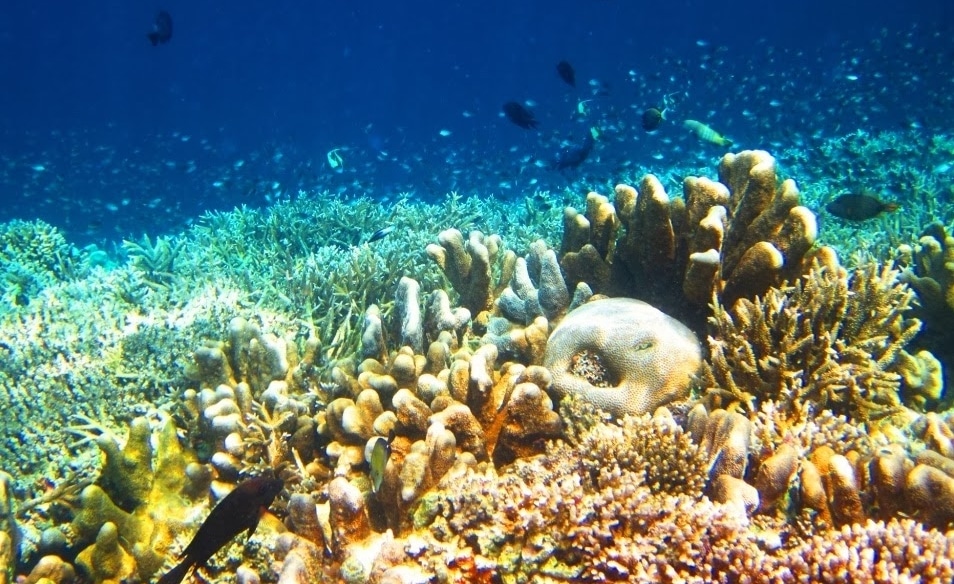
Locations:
column 729, row 239
column 468, row 266
column 622, row 355
column 831, row 341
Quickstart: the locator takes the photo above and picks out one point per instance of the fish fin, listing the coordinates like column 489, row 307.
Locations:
column 153, row 38
column 891, row 207
column 177, row 574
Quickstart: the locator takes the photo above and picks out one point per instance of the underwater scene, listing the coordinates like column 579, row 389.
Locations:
column 496, row 292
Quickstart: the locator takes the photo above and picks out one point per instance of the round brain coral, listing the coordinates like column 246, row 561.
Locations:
column 622, row 355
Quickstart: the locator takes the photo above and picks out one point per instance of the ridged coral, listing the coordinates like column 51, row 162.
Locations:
column 622, row 355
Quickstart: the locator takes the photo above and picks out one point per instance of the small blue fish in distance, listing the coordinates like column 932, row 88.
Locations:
column 161, row 31
column 239, row 511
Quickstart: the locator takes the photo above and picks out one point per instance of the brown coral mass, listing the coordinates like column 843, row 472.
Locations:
column 646, row 358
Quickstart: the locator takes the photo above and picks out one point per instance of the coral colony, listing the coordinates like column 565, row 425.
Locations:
column 687, row 389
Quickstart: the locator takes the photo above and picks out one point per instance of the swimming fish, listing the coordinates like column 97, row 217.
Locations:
column 566, row 73
column 520, row 115
column 571, row 157
column 380, row 453
column 652, row 117
column 239, row 511
column 859, row 206
column 381, row 233
column 161, row 29
column 704, row 132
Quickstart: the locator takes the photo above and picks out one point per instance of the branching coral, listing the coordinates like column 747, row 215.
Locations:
column 830, row 341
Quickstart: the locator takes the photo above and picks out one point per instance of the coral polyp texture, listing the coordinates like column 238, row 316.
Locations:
column 622, row 355
column 488, row 408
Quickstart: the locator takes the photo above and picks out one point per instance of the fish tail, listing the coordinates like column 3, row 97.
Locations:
column 177, row 574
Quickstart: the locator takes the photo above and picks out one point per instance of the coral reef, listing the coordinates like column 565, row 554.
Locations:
column 812, row 445
column 34, row 255
column 729, row 239
column 622, row 355
column 830, row 341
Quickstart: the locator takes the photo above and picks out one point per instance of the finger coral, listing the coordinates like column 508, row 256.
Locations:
column 733, row 238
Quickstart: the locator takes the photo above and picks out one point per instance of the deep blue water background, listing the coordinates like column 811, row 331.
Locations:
column 130, row 136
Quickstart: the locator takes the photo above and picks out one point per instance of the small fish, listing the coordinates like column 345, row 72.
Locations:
column 161, row 29
column 704, row 132
column 652, row 117
column 566, row 73
column 571, row 157
column 381, row 233
column 859, row 206
column 520, row 115
column 380, row 453
column 239, row 511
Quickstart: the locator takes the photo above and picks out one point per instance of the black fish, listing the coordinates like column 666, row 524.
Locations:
column 520, row 115
column 161, row 29
column 652, row 117
column 573, row 157
column 240, row 510
column 566, row 73
column 859, row 206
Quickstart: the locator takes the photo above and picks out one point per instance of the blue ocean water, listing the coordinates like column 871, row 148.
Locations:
column 106, row 136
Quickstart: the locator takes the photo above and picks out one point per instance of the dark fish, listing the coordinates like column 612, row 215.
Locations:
column 652, row 117
column 161, row 29
column 520, row 115
column 381, row 233
column 566, row 73
column 859, row 206
column 239, row 511
column 572, row 157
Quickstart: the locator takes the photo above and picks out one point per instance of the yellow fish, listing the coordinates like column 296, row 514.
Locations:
column 706, row 133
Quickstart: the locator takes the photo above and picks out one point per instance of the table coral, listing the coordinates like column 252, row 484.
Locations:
column 623, row 355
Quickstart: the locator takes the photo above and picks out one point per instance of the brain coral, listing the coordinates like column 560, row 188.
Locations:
column 622, row 355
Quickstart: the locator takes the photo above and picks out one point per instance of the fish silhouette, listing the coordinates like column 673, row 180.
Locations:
column 859, row 206
column 571, row 157
column 520, row 115
column 161, row 29
column 239, row 511
column 566, row 73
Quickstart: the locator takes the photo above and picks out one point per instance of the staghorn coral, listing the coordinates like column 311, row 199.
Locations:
column 622, row 355
column 830, row 341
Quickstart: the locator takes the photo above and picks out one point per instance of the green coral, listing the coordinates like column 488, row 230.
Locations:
column 34, row 255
